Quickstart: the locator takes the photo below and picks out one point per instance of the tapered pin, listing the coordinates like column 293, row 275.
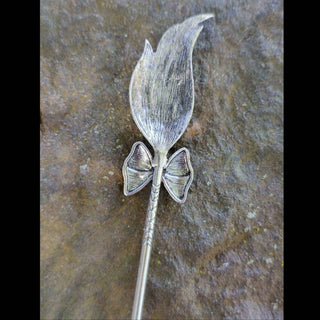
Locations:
column 161, row 98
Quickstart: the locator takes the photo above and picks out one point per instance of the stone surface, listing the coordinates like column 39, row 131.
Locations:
column 220, row 254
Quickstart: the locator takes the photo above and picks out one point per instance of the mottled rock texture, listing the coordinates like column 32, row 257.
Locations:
column 219, row 255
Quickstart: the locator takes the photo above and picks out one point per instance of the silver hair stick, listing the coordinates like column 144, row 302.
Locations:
column 161, row 98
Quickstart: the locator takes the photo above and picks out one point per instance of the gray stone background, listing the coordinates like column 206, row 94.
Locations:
column 219, row 255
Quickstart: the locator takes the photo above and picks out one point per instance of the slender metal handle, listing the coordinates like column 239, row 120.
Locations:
column 147, row 244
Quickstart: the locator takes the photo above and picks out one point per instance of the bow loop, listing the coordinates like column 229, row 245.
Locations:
column 178, row 174
column 137, row 169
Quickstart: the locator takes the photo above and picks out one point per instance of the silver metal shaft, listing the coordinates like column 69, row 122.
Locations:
column 161, row 94
column 147, row 239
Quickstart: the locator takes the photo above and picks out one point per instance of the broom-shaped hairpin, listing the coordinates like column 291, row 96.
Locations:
column 161, row 98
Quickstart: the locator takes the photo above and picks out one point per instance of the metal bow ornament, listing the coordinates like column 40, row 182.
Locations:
column 161, row 98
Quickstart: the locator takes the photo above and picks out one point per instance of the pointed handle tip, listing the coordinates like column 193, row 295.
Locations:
column 208, row 16
column 197, row 19
column 204, row 16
